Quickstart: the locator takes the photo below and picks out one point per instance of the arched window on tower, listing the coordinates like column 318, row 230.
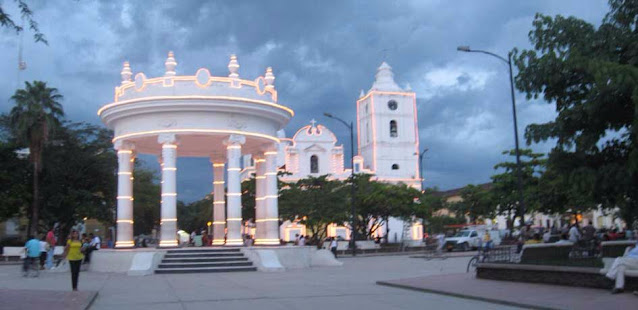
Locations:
column 314, row 164
column 393, row 129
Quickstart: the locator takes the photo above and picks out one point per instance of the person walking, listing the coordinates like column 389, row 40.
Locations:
column 73, row 253
column 32, row 251
column 333, row 246
column 44, row 248
column 51, row 241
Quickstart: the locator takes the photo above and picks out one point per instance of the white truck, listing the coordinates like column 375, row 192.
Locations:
column 468, row 239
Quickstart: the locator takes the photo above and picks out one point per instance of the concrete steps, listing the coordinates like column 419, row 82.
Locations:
column 204, row 260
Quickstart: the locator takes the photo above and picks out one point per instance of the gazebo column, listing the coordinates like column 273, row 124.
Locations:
column 168, row 237
column 233, row 195
column 124, row 238
column 260, row 202
column 271, row 197
column 219, row 203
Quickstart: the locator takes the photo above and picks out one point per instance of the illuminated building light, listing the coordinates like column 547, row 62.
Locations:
column 219, row 222
column 125, row 152
column 270, row 153
column 234, row 219
column 234, row 169
column 260, row 198
column 233, row 194
column 194, row 130
column 169, row 146
column 377, row 92
column 124, row 197
column 169, row 169
column 124, row 244
column 271, row 196
column 169, row 220
column 270, row 173
column 234, row 242
column 219, row 202
column 168, row 243
column 132, row 198
column 260, row 177
column 218, row 165
column 267, row 220
column 218, row 182
column 124, row 173
column 260, row 160
column 267, row 241
column 125, row 221
column 169, row 194
column 192, row 97
column 218, row 242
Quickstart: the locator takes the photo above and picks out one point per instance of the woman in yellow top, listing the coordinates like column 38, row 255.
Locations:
column 73, row 253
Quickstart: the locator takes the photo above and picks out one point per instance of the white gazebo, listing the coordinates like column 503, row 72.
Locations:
column 199, row 116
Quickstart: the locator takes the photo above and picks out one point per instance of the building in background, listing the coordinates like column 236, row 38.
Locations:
column 388, row 149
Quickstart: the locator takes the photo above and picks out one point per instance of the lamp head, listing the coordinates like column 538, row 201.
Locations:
column 327, row 114
column 463, row 48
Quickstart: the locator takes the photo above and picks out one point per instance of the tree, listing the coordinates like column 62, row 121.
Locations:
column 248, row 195
column 84, row 187
column 475, row 203
column 316, row 202
column 37, row 112
column 504, row 191
column 15, row 177
column 590, row 74
column 195, row 215
column 385, row 201
column 27, row 15
column 147, row 193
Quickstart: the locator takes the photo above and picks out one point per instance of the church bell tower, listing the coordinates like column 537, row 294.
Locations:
column 388, row 130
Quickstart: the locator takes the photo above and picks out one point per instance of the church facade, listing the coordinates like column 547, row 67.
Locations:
column 387, row 148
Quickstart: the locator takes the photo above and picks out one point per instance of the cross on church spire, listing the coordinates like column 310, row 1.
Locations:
column 313, row 122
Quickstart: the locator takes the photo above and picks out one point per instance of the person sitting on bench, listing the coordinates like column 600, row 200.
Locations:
column 617, row 270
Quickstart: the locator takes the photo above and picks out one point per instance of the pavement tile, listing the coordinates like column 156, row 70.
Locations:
column 539, row 296
column 45, row 299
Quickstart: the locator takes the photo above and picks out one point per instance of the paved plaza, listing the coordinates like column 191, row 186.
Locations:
column 353, row 285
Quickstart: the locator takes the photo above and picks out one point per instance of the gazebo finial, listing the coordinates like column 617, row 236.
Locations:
column 126, row 73
column 269, row 78
column 170, row 64
column 233, row 67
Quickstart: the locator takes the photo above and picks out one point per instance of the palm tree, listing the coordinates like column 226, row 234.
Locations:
column 36, row 113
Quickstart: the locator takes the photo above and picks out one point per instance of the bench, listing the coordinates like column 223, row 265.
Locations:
column 615, row 248
column 545, row 253
column 608, row 261
column 15, row 253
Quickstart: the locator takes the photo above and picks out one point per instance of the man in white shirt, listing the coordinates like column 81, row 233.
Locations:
column 333, row 246
column 574, row 233
column 617, row 270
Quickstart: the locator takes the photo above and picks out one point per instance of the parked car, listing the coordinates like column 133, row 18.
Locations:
column 464, row 240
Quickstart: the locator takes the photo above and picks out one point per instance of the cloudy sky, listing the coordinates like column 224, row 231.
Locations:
column 322, row 52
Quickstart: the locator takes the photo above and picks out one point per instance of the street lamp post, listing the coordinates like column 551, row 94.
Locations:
column 421, row 156
column 352, row 206
column 519, row 176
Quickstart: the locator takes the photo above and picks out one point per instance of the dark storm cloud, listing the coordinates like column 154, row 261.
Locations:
column 322, row 52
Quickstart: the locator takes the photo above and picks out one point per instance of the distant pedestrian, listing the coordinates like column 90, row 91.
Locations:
column 52, row 242
column 32, row 253
column 93, row 245
column 333, row 246
column 589, row 232
column 73, row 253
column 574, row 233
column 302, row 240
column 296, row 239
column 44, row 248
